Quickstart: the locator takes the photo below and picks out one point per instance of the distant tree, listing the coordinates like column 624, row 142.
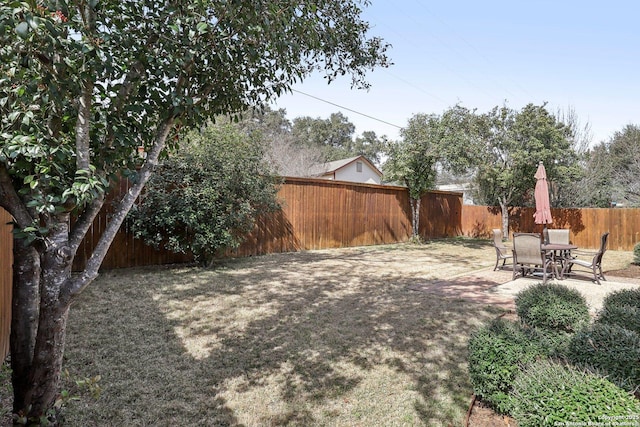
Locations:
column 610, row 172
column 285, row 156
column 370, row 146
column 412, row 161
column 595, row 187
column 334, row 136
column 205, row 198
column 624, row 149
column 570, row 193
column 513, row 142
column 84, row 84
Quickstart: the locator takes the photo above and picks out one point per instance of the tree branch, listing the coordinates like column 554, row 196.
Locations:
column 10, row 200
column 82, row 127
column 76, row 286
column 82, row 225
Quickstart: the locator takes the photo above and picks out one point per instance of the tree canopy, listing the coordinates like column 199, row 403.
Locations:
column 334, row 138
column 84, row 84
column 612, row 171
column 499, row 149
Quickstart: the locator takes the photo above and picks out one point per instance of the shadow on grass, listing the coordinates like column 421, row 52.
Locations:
column 309, row 339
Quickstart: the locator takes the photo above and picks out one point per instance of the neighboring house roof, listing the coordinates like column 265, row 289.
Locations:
column 331, row 167
column 466, row 188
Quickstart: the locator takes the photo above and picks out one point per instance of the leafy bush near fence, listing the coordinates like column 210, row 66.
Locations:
column 552, row 307
column 610, row 349
column 497, row 352
column 548, row 393
column 636, row 254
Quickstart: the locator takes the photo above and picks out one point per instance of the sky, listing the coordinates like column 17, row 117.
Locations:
column 582, row 56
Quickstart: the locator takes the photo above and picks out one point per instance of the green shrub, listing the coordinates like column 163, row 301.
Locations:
column 622, row 308
column 497, row 352
column 610, row 349
column 627, row 317
column 636, row 254
column 551, row 306
column 554, row 343
column 547, row 393
column 622, row 297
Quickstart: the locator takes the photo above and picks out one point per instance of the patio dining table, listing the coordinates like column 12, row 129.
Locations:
column 558, row 253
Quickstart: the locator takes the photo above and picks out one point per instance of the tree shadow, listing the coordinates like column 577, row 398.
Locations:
column 312, row 343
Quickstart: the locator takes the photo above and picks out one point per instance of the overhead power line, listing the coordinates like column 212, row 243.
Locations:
column 346, row 108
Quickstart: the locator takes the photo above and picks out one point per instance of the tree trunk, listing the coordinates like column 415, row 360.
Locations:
column 24, row 317
column 415, row 218
column 505, row 219
column 37, row 343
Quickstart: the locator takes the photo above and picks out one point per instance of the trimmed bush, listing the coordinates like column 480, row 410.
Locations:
column 554, row 343
column 497, row 352
column 610, row 349
column 547, row 393
column 622, row 308
column 622, row 297
column 636, row 254
column 627, row 317
column 553, row 307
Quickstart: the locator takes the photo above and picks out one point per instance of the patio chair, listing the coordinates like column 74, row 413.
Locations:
column 559, row 235
column 502, row 252
column 528, row 258
column 588, row 259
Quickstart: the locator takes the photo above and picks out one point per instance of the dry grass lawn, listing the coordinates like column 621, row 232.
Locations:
column 323, row 338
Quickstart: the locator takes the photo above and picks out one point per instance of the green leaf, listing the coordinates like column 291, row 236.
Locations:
column 22, row 29
column 202, row 27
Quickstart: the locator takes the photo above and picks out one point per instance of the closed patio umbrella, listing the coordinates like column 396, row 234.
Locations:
column 543, row 208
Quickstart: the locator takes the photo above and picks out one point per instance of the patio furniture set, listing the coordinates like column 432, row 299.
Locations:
column 553, row 256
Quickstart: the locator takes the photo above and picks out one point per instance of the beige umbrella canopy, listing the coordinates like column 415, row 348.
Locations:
column 543, row 208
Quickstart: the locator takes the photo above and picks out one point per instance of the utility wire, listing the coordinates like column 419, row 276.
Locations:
column 345, row 108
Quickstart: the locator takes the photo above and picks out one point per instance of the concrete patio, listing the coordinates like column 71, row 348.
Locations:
column 498, row 287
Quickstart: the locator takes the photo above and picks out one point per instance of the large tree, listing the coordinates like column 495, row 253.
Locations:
column 511, row 143
column 84, row 83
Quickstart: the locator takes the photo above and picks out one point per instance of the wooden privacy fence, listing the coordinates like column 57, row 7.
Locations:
column 315, row 214
column 585, row 225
